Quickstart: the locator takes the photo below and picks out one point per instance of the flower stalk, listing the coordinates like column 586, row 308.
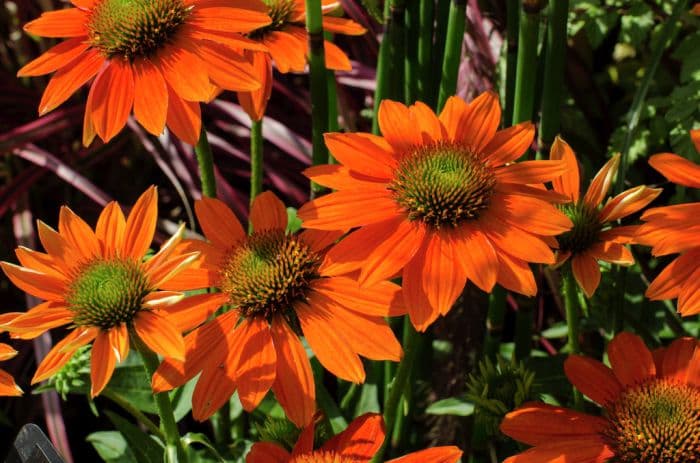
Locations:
column 256, row 159
column 570, row 290
column 512, row 21
column 426, row 16
column 453, row 50
column 528, row 31
column 205, row 160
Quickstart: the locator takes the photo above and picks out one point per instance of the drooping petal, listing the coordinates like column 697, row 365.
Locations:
column 150, row 96
column 255, row 102
column 516, row 242
column 336, row 59
column 421, row 312
column 227, row 68
column 443, row 281
column 287, row 50
column 69, row 22
column 159, row 334
column 54, row 58
column 256, row 362
column 477, row 256
column 587, row 449
column 112, row 99
column 349, row 208
column 194, row 310
column 569, row 183
column 611, row 252
column 184, row 118
column 35, row 283
column 294, row 385
column 38, row 319
column 599, row 187
column 119, row 340
column 184, row 71
column 630, row 359
column 63, row 351
column 593, row 379
column 383, row 299
column 689, row 296
column 509, row 144
column 527, row 172
column 102, row 363
column 677, row 169
column 434, row 455
column 8, row 387
column 586, row 272
column 70, row 78
column 515, row 275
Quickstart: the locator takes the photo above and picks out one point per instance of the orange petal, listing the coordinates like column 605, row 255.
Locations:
column 628, row 202
column 141, row 225
column 689, row 297
column 479, row 122
column 342, row 26
column 227, row 19
column 330, row 347
column 509, row 144
column 586, row 449
column 159, row 334
column 569, row 183
column 60, row 250
column 254, row 103
column 267, row 452
column 369, row 336
column 35, row 283
column 346, row 209
column 41, row 318
column 530, row 214
column 338, row 177
column 112, row 99
column 433, row 455
column 150, row 96
column 477, row 256
column 70, row 78
column 319, row 240
column 361, row 439
column 184, row 72
column 451, row 114
column 398, row 126
column 184, row 118
column 294, row 385
column 63, row 351
column 336, row 59
column 268, row 212
column 363, row 153
column 119, row 340
column 621, row 235
column 593, row 379
column 110, row 229
column 383, row 299
column 526, row 172
column 516, row 242
column 287, row 51
column 630, row 359
column 6, row 352
column 102, row 363
column 693, row 377
column 611, row 252
column 194, row 310
column 515, row 275
column 161, row 299
column 78, row 233
column 586, row 272
column 256, row 362
column 55, row 57
column 8, row 387
column 421, row 312
column 538, row 423
column 677, row 169
column 218, row 222
column 214, row 388
column 677, row 359
column 601, row 183
column 231, row 39
column 40, row 262
column 432, row 130
column 227, row 68
column 443, row 281
column 70, row 22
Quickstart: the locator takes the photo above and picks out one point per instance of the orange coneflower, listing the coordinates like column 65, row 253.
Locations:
column 272, row 282
column 357, row 444
column 8, row 387
column 97, row 282
column 675, row 229
column 161, row 57
column 592, row 239
column 650, row 401
column 287, row 44
column 440, row 198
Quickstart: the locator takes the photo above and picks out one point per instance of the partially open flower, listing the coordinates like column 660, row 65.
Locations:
column 593, row 237
column 276, row 290
column 357, row 444
column 651, row 404
column 98, row 283
column 8, row 387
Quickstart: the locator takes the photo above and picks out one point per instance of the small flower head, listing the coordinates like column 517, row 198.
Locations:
column 650, row 401
column 592, row 238
column 98, row 283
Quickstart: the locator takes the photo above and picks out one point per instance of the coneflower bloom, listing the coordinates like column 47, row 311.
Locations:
column 275, row 290
column 159, row 57
column 593, row 238
column 287, row 44
column 650, row 401
column 98, row 283
column 357, row 444
column 440, row 201
column 675, row 229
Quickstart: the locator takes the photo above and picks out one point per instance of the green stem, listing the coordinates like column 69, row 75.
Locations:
column 390, row 52
column 319, row 86
column 133, row 411
column 174, row 449
column 669, row 27
column 404, row 408
column 332, row 106
column 426, row 16
column 205, row 159
column 256, row 159
column 512, row 20
column 410, row 77
column 553, row 82
column 453, row 51
column 442, row 17
column 398, row 387
column 570, row 291
column 524, row 96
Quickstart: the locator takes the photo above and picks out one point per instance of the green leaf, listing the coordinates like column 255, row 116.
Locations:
column 293, row 222
column 182, row 399
column 452, row 406
column 130, row 380
column 111, row 447
column 145, row 448
column 199, row 438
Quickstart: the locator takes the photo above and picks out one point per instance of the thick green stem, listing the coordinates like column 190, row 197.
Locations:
column 174, row 449
column 453, row 51
column 553, row 83
column 525, row 74
column 398, row 388
column 410, row 77
column 390, row 55
column 426, row 16
column 570, row 291
column 512, row 20
column 405, row 405
column 319, row 85
column 205, row 159
column 256, row 159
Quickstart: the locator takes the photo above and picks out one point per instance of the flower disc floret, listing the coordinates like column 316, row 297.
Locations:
column 268, row 272
column 657, row 421
column 134, row 28
column 321, row 456
column 443, row 185
column 106, row 293
column 586, row 229
column 280, row 12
